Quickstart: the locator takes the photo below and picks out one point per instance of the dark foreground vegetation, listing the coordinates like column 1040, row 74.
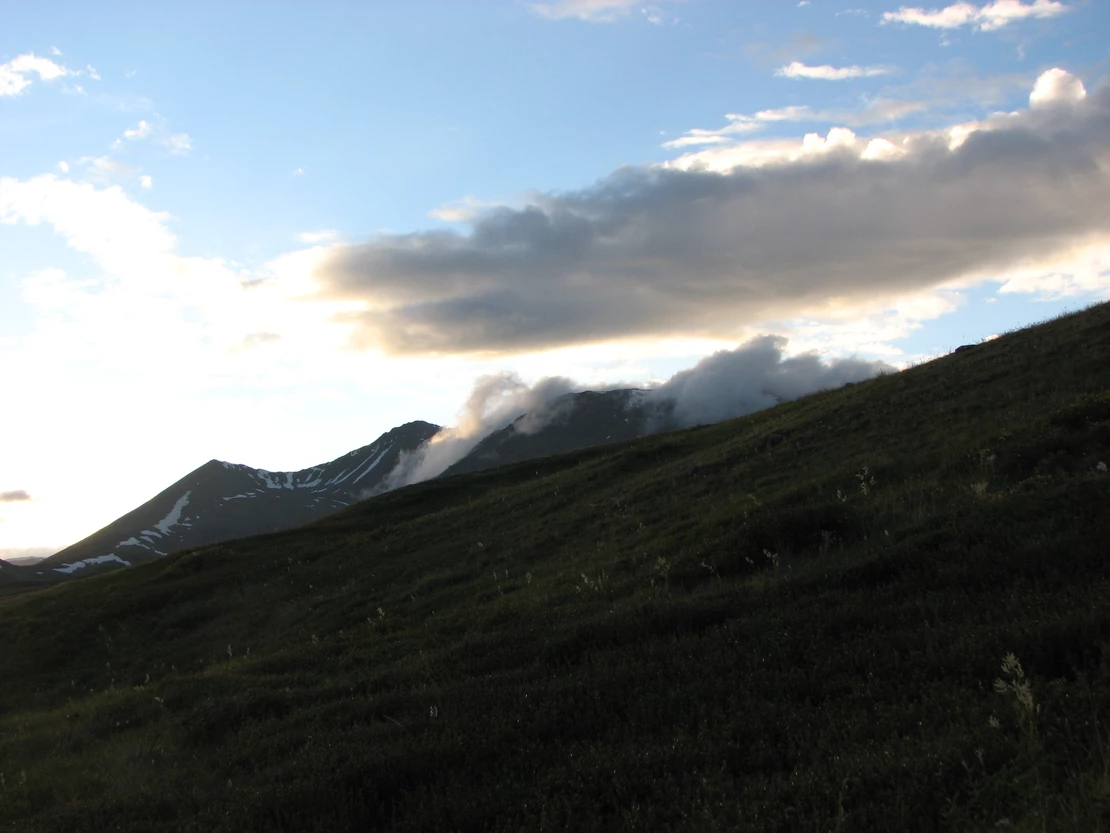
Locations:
column 794, row 621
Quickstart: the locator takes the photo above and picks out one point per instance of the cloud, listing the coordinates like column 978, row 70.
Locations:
column 258, row 339
column 986, row 18
column 596, row 11
column 14, row 75
column 190, row 313
column 727, row 384
column 92, row 73
column 465, row 210
column 875, row 111
column 737, row 126
column 146, row 182
column 711, row 244
column 754, row 376
column 1056, row 87
column 105, row 168
column 142, row 130
column 797, row 69
column 14, row 496
column 317, row 237
column 495, row 401
column 179, row 144
column 740, row 124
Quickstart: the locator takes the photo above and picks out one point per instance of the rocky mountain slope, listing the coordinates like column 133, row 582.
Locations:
column 571, row 422
column 220, row 501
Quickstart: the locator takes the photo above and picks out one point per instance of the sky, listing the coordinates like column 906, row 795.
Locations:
column 268, row 233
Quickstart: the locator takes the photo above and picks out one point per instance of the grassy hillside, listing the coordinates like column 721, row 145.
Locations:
column 793, row 621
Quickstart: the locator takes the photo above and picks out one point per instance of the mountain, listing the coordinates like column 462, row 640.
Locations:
column 22, row 560
column 879, row 607
column 568, row 423
column 220, row 501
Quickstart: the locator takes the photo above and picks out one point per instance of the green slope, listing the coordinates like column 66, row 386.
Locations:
column 790, row 621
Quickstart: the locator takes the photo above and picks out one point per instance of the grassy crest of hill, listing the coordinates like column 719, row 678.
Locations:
column 797, row 620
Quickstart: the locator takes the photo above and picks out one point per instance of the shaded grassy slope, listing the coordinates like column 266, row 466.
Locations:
column 790, row 621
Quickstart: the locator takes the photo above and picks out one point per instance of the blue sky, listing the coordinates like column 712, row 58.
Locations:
column 269, row 232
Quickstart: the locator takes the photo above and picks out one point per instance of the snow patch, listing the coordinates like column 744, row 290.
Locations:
column 270, row 480
column 174, row 517
column 89, row 562
column 370, row 468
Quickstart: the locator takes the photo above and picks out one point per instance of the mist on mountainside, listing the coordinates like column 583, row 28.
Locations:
column 731, row 383
column 495, row 401
column 727, row 384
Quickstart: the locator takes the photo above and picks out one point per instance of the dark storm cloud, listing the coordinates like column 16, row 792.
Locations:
column 666, row 251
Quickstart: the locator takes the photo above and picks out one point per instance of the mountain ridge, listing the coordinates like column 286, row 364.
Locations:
column 233, row 500
column 879, row 607
column 572, row 421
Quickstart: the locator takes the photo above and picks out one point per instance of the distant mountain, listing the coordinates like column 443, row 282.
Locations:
column 22, row 560
column 220, row 501
column 571, row 422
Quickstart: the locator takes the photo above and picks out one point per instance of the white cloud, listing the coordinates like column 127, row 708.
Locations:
column 142, row 130
column 876, row 111
column 105, row 168
column 123, row 236
column 1056, row 86
column 738, row 125
column 828, row 73
column 596, row 11
column 465, row 210
column 14, row 75
column 987, row 18
column 55, row 50
column 1084, row 270
column 179, row 144
column 317, row 237
column 92, row 73
column 791, row 113
column 63, row 166
column 146, row 182
column 298, row 171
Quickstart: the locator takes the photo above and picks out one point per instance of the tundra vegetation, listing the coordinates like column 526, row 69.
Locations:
column 881, row 607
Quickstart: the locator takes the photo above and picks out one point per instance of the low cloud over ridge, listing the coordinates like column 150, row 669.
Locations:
column 754, row 376
column 683, row 250
column 495, row 401
column 727, row 384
